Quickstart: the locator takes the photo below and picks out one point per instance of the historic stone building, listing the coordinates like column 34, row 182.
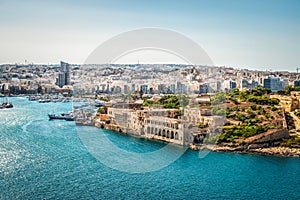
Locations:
column 171, row 125
column 289, row 102
column 164, row 128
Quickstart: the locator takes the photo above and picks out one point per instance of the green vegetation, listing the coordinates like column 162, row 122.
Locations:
column 202, row 125
column 235, row 108
column 211, row 140
column 249, row 119
column 293, row 141
column 288, row 90
column 104, row 99
column 249, row 110
column 149, row 103
column 101, row 110
column 279, row 112
column 254, row 107
column 206, row 107
column 169, row 101
column 234, row 100
column 263, row 100
column 174, row 101
column 257, row 95
column 219, row 111
column 273, row 108
column 244, row 131
column 219, row 98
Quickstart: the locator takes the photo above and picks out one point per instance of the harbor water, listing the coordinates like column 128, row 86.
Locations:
column 42, row 159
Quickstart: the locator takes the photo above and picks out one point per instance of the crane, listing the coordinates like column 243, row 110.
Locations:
column 297, row 69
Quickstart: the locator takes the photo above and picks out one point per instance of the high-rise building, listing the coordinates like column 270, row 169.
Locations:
column 181, row 88
column 117, row 89
column 126, row 89
column 254, row 84
column 203, row 88
column 244, row 83
column 63, row 75
column 297, row 83
column 273, row 83
column 144, row 88
column 162, row 89
column 151, row 90
column 133, row 87
column 65, row 67
column 60, row 81
column 232, row 84
column 172, row 89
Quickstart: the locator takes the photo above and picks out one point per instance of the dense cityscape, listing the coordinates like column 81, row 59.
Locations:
column 151, row 79
column 197, row 106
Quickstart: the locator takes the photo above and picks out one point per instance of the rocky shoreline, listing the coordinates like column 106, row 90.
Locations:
column 259, row 144
column 272, row 151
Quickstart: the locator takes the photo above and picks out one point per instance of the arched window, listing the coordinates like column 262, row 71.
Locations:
column 172, row 135
column 164, row 133
column 176, row 136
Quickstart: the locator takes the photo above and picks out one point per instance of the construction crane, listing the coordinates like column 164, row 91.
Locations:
column 297, row 69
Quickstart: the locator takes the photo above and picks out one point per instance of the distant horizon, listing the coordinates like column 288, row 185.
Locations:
column 234, row 67
column 261, row 34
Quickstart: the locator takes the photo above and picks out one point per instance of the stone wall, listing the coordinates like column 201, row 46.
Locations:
column 267, row 139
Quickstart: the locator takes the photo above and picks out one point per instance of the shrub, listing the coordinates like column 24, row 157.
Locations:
column 219, row 98
column 279, row 112
column 273, row 108
column 253, row 107
column 219, row 111
column 235, row 108
column 234, row 100
column 174, row 101
column 243, row 131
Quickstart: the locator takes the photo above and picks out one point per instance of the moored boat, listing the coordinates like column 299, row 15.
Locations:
column 53, row 116
column 63, row 116
column 6, row 105
column 70, row 118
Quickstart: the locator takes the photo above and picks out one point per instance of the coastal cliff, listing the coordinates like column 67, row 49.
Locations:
column 268, row 143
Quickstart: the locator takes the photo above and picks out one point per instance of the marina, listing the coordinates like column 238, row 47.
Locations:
column 82, row 113
column 47, row 98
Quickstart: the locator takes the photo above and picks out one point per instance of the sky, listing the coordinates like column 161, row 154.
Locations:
column 253, row 34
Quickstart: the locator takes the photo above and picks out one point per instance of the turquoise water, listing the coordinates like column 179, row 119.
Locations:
column 41, row 159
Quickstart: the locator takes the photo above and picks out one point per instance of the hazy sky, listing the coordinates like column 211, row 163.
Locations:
column 256, row 34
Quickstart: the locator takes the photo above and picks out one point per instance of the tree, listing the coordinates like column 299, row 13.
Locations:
column 219, row 98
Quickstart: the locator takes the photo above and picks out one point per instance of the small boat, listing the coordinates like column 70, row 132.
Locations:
column 70, row 118
column 6, row 105
column 62, row 116
column 53, row 116
column 44, row 101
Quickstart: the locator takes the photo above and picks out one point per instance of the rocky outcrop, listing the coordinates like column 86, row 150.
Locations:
column 278, row 151
column 265, row 143
column 274, row 151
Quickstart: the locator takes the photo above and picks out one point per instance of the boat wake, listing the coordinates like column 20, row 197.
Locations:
column 24, row 127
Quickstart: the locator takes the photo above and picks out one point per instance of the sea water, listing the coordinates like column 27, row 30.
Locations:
column 42, row 159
